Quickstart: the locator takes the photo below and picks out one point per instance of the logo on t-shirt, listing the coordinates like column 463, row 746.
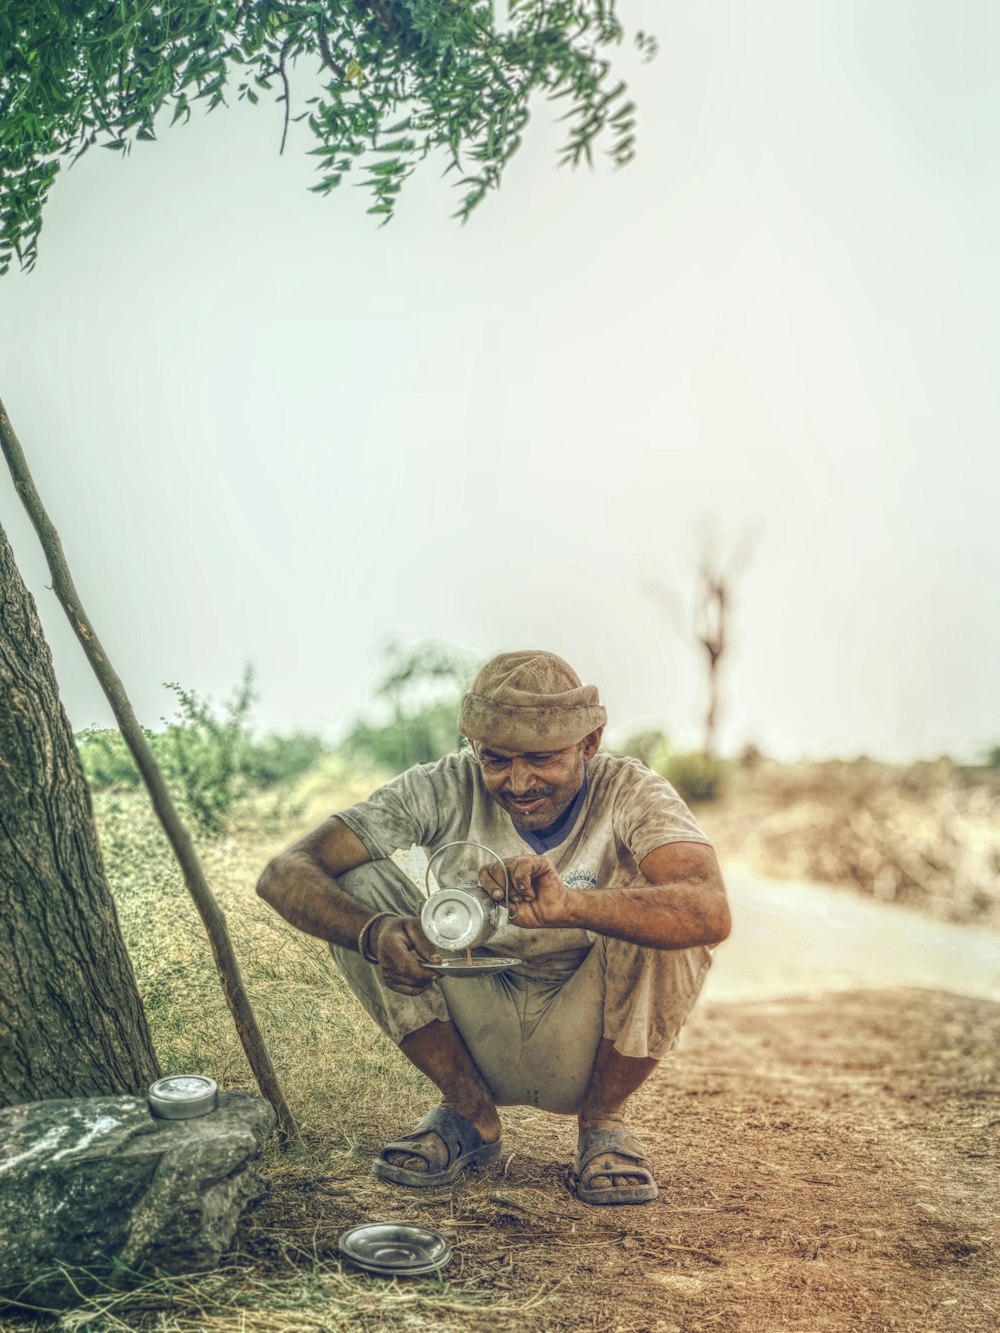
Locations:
column 580, row 879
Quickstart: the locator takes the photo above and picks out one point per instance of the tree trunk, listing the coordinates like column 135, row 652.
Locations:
column 71, row 1021
column 180, row 839
column 712, row 710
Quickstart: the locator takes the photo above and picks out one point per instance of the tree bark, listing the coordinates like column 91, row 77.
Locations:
column 712, row 711
column 71, row 1021
column 180, row 840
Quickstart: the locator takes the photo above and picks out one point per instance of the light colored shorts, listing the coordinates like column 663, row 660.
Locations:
column 533, row 1038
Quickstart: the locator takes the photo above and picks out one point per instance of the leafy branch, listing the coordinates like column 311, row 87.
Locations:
column 398, row 80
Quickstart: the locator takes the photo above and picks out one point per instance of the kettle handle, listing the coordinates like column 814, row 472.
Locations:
column 462, row 842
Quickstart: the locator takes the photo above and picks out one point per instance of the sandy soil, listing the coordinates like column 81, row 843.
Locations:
column 826, row 1164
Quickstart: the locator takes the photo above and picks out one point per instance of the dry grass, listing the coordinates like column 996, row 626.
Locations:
column 825, row 1166
column 345, row 1081
column 926, row 836
column 302, row 1294
column 326, row 1052
column 796, row 1146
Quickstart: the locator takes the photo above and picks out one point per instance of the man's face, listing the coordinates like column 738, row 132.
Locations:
column 535, row 787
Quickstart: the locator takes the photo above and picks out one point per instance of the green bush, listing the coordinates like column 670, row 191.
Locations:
column 418, row 738
column 695, row 775
column 107, row 761
column 651, row 746
column 276, row 759
column 420, row 689
column 205, row 757
column 209, row 758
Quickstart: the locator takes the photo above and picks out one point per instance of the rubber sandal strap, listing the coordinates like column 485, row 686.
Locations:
column 604, row 1144
column 459, row 1137
column 617, row 1141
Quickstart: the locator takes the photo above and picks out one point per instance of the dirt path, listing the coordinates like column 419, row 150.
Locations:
column 839, row 1156
column 826, row 1164
column 829, row 1162
column 827, row 1141
column 793, row 938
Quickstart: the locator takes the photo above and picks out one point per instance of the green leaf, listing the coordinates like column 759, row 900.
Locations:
column 440, row 75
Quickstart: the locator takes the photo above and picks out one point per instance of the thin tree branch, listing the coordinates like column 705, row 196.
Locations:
column 324, row 49
column 288, row 94
column 180, row 839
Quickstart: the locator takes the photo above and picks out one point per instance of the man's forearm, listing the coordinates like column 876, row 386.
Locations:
column 659, row 916
column 296, row 887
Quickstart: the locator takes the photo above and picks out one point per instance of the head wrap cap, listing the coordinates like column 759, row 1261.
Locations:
column 530, row 701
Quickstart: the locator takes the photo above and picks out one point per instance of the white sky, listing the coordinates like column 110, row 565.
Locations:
column 270, row 431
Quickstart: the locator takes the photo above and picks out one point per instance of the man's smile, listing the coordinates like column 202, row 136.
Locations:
column 528, row 803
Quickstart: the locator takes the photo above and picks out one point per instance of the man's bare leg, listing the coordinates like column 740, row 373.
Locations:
column 612, row 1081
column 437, row 1050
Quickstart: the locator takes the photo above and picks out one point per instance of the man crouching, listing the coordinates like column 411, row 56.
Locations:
column 616, row 898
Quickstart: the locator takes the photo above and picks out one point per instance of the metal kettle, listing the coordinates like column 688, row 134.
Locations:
column 460, row 917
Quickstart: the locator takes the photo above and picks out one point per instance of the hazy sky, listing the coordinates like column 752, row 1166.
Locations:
column 270, row 431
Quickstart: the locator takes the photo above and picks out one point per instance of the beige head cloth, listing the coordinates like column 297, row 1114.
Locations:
column 530, row 701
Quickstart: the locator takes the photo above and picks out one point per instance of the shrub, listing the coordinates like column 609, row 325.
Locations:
column 107, row 761
column 419, row 694
column 209, row 758
column 419, row 738
column 650, row 745
column 275, row 759
column 696, row 776
column 205, row 757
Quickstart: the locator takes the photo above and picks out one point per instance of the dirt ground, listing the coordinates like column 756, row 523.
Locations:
column 826, row 1164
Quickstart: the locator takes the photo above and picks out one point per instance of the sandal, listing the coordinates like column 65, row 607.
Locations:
column 593, row 1159
column 464, row 1144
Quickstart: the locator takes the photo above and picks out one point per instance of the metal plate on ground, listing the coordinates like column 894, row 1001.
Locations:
column 395, row 1249
column 461, row 967
column 376, row 1270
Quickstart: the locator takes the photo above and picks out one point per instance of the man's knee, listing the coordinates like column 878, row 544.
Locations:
column 648, row 995
column 382, row 886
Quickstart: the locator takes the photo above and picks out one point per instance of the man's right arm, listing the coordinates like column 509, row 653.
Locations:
column 301, row 884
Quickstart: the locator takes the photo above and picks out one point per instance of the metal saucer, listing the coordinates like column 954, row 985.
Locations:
column 460, row 967
column 395, row 1249
column 376, row 1270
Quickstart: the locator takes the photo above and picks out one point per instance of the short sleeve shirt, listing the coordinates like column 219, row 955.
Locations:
column 627, row 812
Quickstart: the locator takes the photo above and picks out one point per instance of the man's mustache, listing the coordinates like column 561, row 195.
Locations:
column 536, row 794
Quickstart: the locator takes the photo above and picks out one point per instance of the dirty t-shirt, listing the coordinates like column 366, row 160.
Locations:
column 626, row 813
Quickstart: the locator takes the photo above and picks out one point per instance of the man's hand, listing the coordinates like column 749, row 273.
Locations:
column 399, row 944
column 538, row 897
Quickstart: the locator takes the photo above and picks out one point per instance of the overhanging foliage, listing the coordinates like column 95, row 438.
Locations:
column 399, row 79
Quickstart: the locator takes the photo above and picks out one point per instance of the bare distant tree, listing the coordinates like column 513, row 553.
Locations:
column 711, row 615
column 711, row 611
column 713, row 604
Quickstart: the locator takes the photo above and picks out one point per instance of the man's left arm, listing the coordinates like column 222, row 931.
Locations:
column 682, row 905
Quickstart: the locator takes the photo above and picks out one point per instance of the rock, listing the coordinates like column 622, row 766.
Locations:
column 100, row 1186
